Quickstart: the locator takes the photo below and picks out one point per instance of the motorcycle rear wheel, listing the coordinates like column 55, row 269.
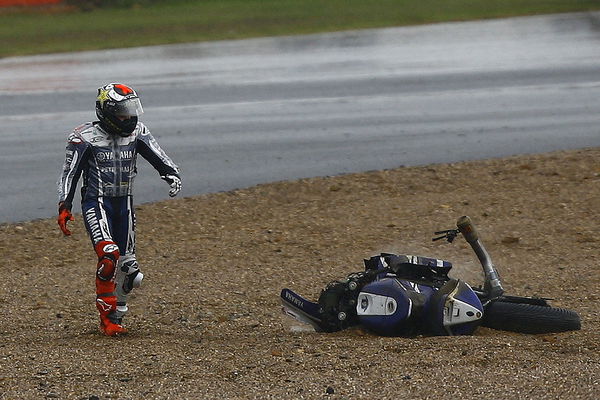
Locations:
column 529, row 318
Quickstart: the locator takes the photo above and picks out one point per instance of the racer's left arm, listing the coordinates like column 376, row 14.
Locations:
column 148, row 147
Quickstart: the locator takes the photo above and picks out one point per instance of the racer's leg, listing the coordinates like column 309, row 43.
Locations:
column 128, row 274
column 98, row 222
column 129, row 277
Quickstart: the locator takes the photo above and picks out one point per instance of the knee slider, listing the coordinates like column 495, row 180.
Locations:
column 108, row 255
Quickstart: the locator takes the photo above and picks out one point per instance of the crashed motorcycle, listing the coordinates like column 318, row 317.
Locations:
column 404, row 295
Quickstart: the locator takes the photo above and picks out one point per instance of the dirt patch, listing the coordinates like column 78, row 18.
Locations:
column 207, row 322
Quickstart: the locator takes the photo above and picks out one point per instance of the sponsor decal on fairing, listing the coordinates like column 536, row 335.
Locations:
column 375, row 304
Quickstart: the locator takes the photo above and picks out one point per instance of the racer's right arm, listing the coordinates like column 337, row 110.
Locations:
column 77, row 152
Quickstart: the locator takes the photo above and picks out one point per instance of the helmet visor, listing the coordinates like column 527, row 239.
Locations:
column 131, row 107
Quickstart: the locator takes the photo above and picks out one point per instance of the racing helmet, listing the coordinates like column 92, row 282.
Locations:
column 118, row 107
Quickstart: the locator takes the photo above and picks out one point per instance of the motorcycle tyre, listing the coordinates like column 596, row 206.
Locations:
column 529, row 318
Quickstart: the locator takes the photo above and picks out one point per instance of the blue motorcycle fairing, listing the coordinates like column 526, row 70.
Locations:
column 454, row 309
column 395, row 296
column 395, row 307
column 388, row 306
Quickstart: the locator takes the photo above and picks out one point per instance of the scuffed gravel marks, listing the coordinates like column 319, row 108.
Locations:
column 207, row 322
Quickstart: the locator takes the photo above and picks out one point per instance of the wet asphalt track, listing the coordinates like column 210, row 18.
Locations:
column 237, row 113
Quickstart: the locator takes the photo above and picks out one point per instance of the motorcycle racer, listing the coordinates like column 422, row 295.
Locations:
column 104, row 152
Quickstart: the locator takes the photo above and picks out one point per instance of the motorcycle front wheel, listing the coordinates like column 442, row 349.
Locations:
column 529, row 318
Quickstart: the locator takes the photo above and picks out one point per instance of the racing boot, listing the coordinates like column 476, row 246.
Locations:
column 128, row 277
column 106, row 302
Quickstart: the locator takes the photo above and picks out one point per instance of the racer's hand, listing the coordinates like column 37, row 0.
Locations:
column 64, row 216
column 175, row 182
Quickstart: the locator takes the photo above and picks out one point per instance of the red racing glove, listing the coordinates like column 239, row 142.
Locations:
column 64, row 216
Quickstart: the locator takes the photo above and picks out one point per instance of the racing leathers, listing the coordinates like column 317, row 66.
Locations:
column 108, row 165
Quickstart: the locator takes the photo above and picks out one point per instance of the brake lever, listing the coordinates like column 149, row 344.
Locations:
column 449, row 235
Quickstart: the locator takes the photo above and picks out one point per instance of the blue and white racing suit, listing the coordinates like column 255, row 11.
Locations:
column 108, row 165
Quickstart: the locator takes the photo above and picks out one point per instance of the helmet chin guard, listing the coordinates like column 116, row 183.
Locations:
column 118, row 107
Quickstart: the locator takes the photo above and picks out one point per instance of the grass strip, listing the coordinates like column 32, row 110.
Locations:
column 47, row 30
